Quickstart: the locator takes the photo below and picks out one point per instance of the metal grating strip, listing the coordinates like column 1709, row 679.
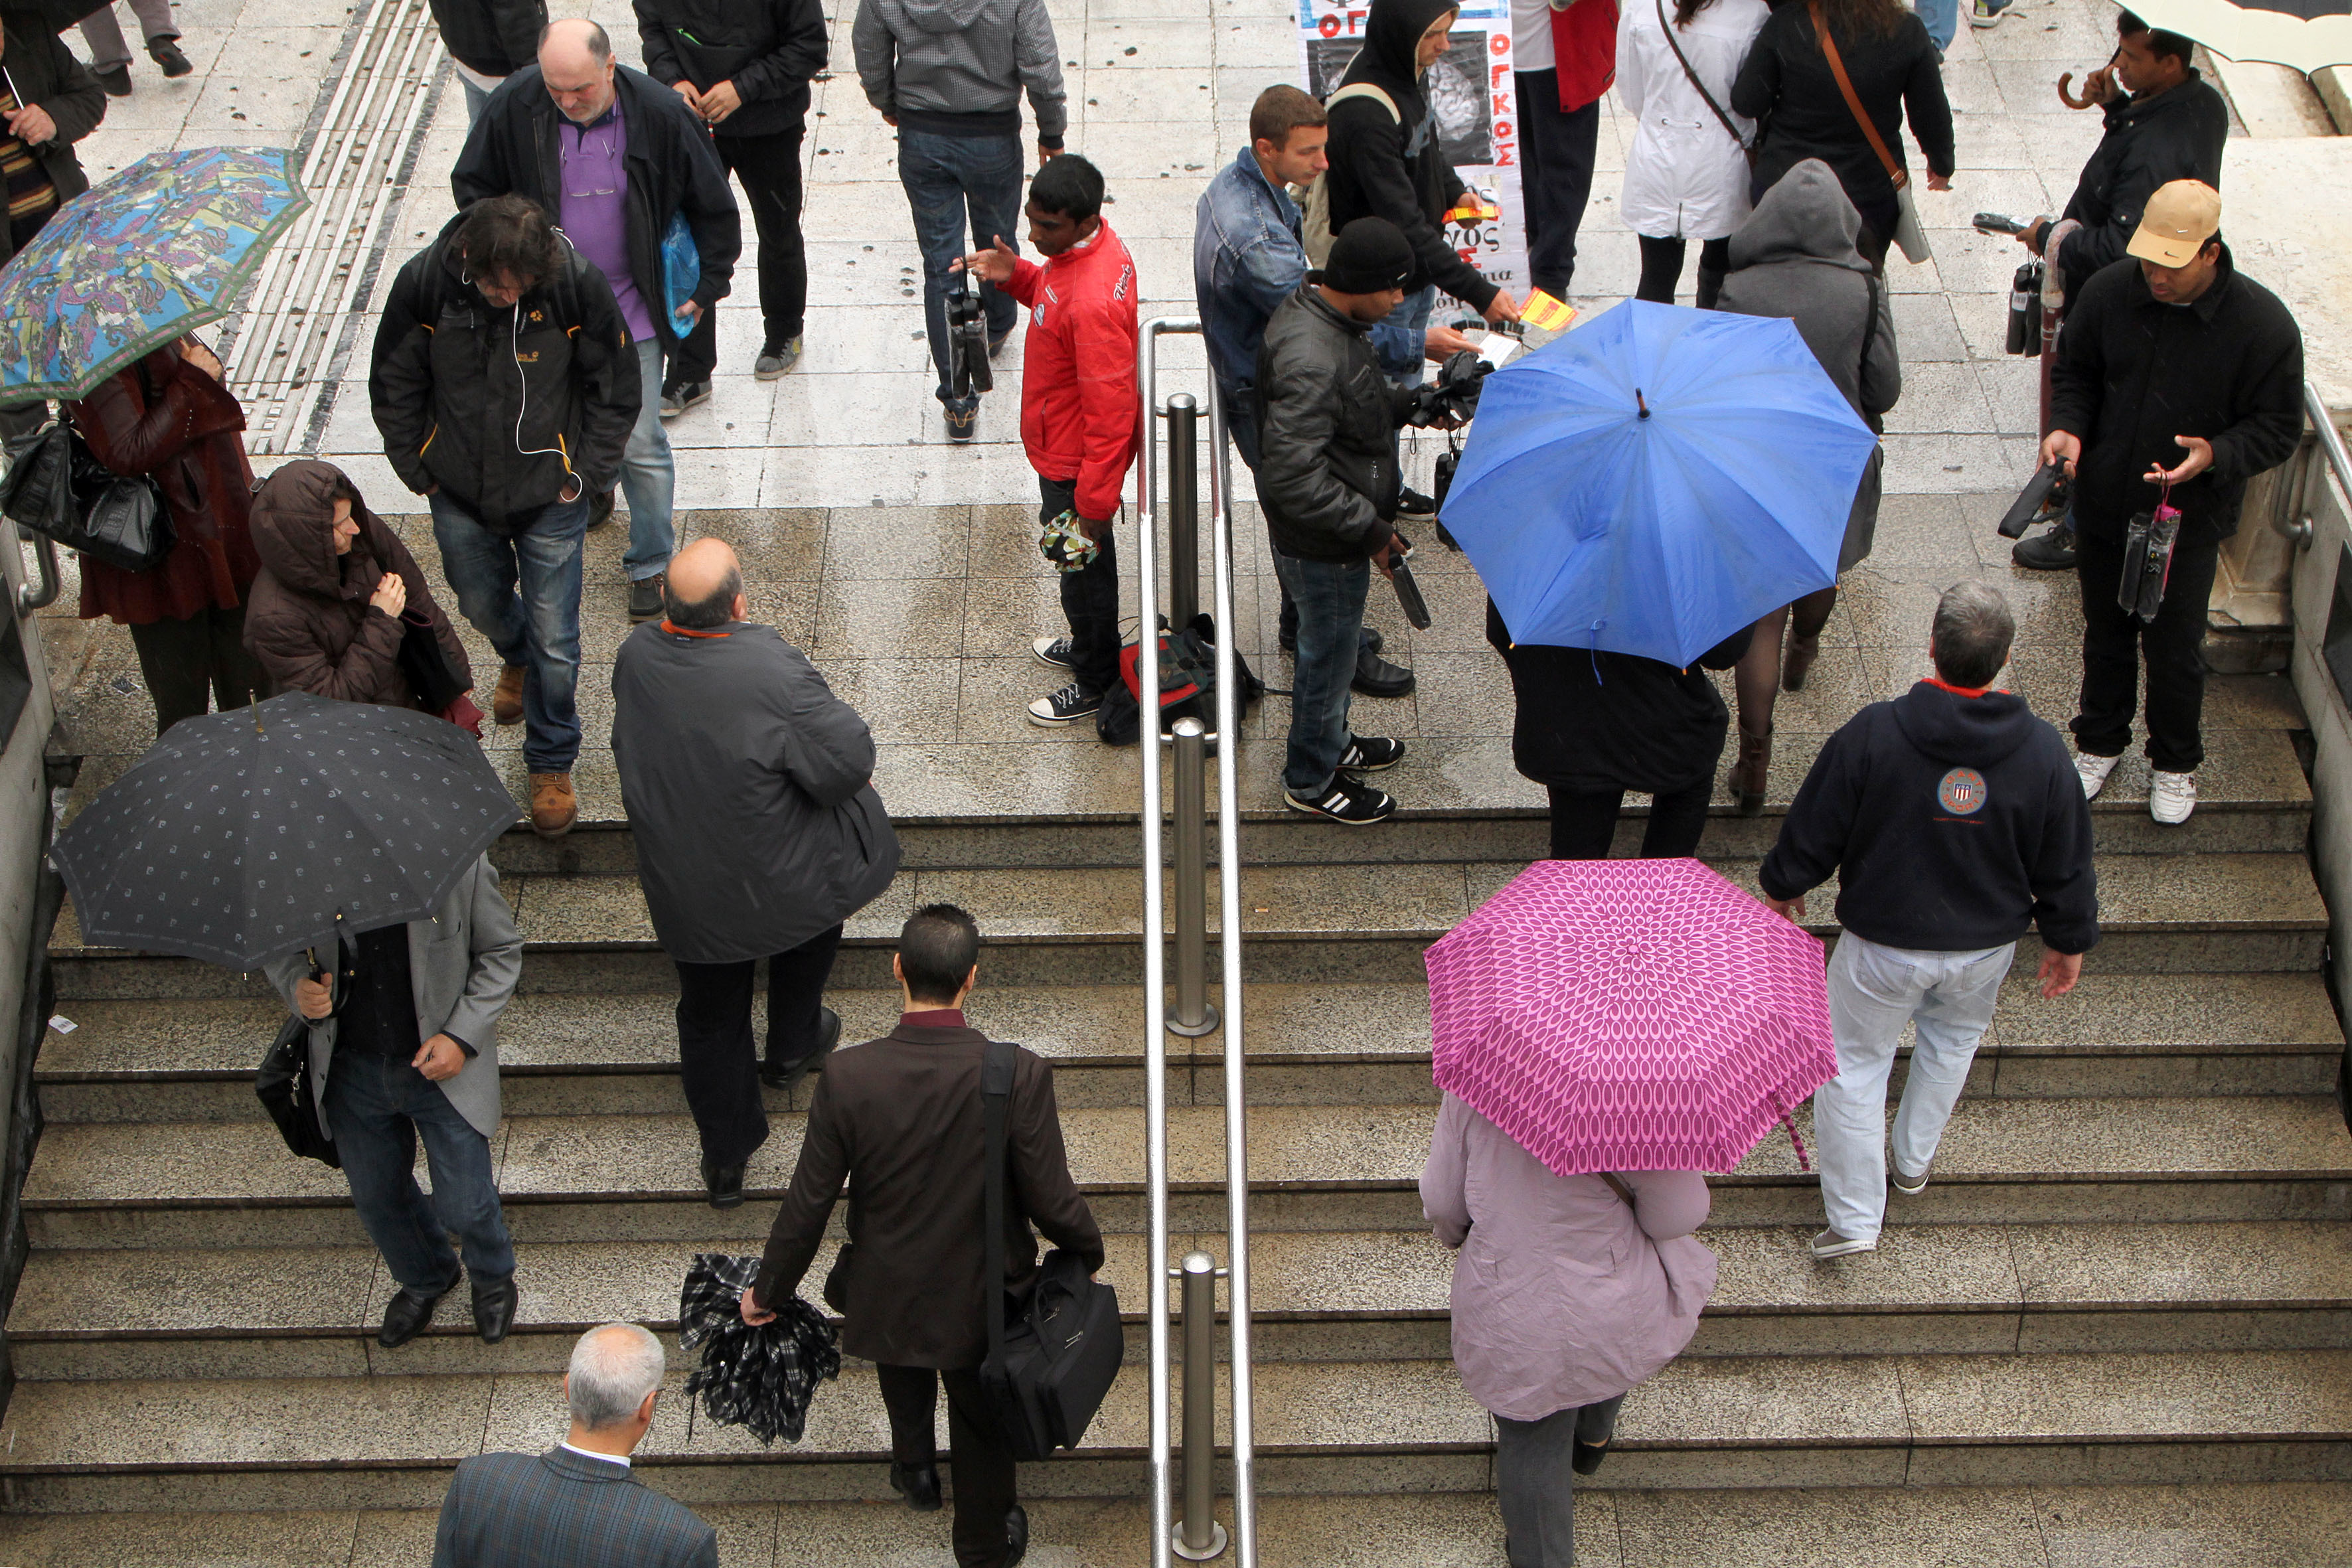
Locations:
column 282, row 362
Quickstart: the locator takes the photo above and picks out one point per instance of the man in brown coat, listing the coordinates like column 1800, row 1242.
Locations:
column 901, row 1117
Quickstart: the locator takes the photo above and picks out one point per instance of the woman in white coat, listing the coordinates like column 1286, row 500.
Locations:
column 1687, row 173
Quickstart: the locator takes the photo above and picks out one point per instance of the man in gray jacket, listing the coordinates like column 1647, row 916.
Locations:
column 404, row 1047
column 947, row 75
column 747, row 786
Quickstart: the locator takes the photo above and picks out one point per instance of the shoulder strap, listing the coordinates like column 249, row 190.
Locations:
column 1870, row 323
column 1895, row 171
column 1365, row 90
column 1617, row 1185
column 1696, row 86
column 995, row 1100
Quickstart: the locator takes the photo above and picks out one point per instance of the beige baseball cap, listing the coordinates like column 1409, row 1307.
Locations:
column 2181, row 217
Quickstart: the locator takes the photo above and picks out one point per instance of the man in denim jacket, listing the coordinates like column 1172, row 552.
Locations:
column 1247, row 258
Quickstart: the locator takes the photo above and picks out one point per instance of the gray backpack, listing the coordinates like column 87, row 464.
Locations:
column 1315, row 200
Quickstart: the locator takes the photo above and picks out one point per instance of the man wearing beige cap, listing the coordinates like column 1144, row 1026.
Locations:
column 2178, row 380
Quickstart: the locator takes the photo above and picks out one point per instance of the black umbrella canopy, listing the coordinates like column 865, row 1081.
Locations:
column 243, row 836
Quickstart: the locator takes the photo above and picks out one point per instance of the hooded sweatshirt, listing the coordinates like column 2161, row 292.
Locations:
column 1951, row 822
column 1384, row 166
column 957, row 68
column 308, row 619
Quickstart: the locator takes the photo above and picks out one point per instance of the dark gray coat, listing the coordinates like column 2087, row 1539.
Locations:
column 748, row 786
column 1795, row 257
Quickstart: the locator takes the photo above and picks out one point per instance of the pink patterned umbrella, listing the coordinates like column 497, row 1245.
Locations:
column 1629, row 1015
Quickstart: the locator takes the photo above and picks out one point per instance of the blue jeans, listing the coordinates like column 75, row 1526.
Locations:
column 1330, row 599
column 648, row 474
column 537, row 628
column 376, row 1107
column 1943, row 19
column 1403, row 328
column 953, row 180
column 475, row 97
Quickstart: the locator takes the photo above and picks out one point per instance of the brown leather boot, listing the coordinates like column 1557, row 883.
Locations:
column 505, row 703
column 553, row 808
column 1798, row 662
column 1748, row 773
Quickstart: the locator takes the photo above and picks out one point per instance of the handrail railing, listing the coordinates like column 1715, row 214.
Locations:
column 1196, row 1538
column 2303, row 526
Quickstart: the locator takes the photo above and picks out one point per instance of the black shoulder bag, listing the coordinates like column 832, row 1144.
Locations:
column 289, row 1092
column 1046, row 1372
column 54, row 486
column 1746, row 148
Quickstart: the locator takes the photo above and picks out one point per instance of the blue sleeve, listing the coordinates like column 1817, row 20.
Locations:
column 1266, row 273
column 1399, row 348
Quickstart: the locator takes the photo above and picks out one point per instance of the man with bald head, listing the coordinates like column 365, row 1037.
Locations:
column 749, row 788
column 614, row 156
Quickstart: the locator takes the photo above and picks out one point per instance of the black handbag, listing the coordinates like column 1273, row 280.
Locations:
column 55, row 487
column 1048, row 1370
column 425, row 663
column 289, row 1093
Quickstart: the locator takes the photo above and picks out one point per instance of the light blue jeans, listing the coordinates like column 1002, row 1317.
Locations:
column 1943, row 19
column 1874, row 992
column 648, row 474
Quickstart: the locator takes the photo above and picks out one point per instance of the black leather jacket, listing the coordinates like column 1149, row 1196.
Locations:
column 1327, row 422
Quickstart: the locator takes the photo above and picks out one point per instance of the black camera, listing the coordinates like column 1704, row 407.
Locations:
column 1453, row 394
column 968, row 370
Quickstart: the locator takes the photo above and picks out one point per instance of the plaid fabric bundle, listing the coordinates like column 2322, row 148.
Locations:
column 761, row 1378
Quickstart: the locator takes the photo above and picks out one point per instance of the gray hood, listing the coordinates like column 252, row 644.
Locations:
column 944, row 16
column 1805, row 216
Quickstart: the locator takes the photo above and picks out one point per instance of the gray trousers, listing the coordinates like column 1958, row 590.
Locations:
column 104, row 34
column 1532, row 1460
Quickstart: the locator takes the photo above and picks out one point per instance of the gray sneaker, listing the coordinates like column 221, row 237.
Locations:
column 775, row 359
column 1909, row 1184
column 1829, row 1244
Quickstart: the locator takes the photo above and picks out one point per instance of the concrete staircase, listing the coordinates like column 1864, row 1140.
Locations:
column 2129, row 1270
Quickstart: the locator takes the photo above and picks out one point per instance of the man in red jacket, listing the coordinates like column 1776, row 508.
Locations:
column 1078, row 414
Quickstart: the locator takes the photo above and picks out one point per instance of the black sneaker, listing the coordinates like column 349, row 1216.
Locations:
column 1346, row 800
column 1370, row 753
column 1411, row 503
column 679, row 396
column 775, row 359
column 1068, row 705
column 1055, row 651
column 116, row 80
column 961, row 422
column 166, row 52
column 2051, row 551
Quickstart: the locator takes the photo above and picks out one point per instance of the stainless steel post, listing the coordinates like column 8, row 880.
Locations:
column 1199, row 1536
column 1195, row 1014
column 1183, row 510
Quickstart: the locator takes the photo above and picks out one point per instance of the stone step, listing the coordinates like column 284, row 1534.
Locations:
column 1315, row 1167
column 1317, row 1296
column 2161, row 914
column 1874, row 1420
column 1616, row 1527
column 574, row 1055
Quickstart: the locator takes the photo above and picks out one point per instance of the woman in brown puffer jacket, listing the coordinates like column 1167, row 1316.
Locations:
column 326, row 614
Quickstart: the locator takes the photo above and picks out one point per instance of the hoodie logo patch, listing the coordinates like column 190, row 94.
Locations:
column 1962, row 792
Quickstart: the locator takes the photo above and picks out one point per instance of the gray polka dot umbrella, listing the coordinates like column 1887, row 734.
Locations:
column 243, row 836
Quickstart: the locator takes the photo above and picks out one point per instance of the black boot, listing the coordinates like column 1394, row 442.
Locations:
column 919, row 1484
column 1016, row 1533
column 1376, row 677
column 724, row 1182
column 493, row 1307
column 405, row 1316
column 786, row 1075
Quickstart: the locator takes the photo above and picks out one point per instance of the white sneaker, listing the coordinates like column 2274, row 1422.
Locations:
column 2094, row 771
column 2171, row 797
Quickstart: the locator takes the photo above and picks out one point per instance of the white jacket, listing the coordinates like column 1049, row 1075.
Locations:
column 1684, row 179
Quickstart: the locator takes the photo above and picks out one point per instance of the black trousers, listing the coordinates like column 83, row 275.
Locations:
column 1662, row 269
column 1556, row 154
column 983, row 1471
column 770, row 170
column 715, row 1053
column 1584, row 821
column 1089, row 598
column 197, row 665
column 2115, row 641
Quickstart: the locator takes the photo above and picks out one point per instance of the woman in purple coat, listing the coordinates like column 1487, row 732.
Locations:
column 1568, row 1290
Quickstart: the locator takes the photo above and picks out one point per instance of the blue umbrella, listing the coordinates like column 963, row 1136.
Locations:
column 1655, row 479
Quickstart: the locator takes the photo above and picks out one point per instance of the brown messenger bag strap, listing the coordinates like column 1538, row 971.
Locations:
column 1895, row 171
column 1617, row 1186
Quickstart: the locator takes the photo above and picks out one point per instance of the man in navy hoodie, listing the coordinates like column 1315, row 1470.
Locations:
column 1953, row 820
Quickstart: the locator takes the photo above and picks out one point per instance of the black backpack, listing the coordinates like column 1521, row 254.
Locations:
column 1187, row 684
column 1048, row 1370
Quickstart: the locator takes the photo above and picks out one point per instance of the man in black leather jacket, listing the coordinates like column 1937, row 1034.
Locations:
column 1328, row 478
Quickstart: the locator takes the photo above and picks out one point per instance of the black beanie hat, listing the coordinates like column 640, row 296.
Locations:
column 1370, row 254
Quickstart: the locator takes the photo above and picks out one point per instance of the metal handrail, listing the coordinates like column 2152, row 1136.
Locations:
column 1155, row 1011
column 2302, row 527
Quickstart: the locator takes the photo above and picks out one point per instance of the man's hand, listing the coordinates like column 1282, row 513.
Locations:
column 686, row 91
column 574, row 488
column 2199, row 459
column 1442, row 343
column 439, row 1058
column 753, row 1313
column 312, row 999
column 690, row 313
column 2062, row 446
column 891, row 121
column 201, row 357
column 391, row 595
column 435, row 488
column 992, row 265
column 1046, row 154
column 1385, row 557
column 32, row 124
column 1936, row 182
column 1789, row 910
column 1501, row 307
column 2059, row 973
column 1094, row 528
column 720, row 102
column 2033, row 234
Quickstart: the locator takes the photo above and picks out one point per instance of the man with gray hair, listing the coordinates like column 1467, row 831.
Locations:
column 1953, row 820
column 580, row 1503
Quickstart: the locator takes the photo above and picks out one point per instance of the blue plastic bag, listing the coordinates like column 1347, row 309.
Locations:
column 681, row 269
